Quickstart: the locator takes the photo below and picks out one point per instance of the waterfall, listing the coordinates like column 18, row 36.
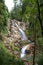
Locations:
column 23, row 36
column 23, row 51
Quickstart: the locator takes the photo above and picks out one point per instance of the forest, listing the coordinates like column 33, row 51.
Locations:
column 21, row 33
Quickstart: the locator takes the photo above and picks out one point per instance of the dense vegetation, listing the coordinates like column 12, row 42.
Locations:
column 28, row 11
column 6, row 58
column 3, row 15
column 31, row 11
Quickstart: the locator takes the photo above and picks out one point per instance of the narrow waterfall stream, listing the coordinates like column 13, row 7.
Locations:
column 23, row 36
column 23, row 51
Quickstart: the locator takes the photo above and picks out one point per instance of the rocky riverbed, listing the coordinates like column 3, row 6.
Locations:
column 13, row 40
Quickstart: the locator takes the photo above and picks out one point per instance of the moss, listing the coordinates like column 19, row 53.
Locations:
column 6, row 58
column 23, row 43
column 16, row 48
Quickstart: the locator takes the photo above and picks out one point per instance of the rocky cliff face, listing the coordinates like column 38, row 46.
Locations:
column 13, row 40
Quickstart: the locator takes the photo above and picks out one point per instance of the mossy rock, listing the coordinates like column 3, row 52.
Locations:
column 23, row 43
column 6, row 58
column 16, row 48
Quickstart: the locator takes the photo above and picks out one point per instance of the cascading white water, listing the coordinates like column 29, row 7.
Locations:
column 23, row 36
column 23, row 51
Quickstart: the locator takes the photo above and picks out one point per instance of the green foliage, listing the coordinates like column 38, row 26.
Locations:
column 16, row 13
column 23, row 43
column 40, row 61
column 2, row 1
column 40, row 43
column 6, row 58
column 3, row 16
column 16, row 48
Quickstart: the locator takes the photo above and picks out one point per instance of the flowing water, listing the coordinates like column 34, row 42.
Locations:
column 23, row 36
column 23, row 51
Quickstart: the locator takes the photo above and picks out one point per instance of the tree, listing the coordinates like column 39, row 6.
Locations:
column 39, row 15
column 3, row 15
column 16, row 12
column 31, row 11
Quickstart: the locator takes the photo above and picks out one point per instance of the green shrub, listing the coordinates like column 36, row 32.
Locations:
column 40, row 62
column 40, row 42
column 6, row 58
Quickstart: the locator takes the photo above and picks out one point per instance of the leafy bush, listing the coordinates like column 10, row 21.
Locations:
column 6, row 58
column 40, row 42
column 40, row 62
column 3, row 16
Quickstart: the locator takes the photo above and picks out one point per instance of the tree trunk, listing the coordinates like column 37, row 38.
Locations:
column 10, row 27
column 35, row 37
column 34, row 53
column 39, row 17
